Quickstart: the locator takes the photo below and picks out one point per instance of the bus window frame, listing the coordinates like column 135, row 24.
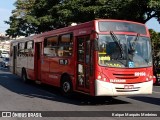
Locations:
column 70, row 43
column 46, row 46
column 57, row 46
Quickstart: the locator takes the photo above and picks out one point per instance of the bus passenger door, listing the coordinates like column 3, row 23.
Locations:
column 83, row 63
column 37, row 61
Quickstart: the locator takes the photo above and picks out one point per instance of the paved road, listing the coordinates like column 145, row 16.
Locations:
column 18, row 96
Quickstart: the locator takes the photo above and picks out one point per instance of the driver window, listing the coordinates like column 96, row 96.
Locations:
column 103, row 53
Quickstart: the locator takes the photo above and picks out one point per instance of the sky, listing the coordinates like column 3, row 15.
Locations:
column 6, row 6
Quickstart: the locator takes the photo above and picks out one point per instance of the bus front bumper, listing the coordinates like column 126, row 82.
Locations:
column 111, row 89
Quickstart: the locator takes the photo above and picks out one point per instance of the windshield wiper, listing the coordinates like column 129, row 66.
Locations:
column 134, row 42
column 115, row 39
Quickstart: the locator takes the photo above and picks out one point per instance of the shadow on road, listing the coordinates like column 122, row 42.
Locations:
column 15, row 84
column 151, row 100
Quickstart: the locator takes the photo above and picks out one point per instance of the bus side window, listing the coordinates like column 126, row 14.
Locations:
column 65, row 45
column 50, row 46
column 21, row 48
column 29, row 48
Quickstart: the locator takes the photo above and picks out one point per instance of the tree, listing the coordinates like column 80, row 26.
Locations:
column 32, row 17
column 19, row 23
column 43, row 15
column 135, row 10
column 155, row 39
column 36, row 16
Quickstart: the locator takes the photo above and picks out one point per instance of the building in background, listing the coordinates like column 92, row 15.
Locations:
column 4, row 45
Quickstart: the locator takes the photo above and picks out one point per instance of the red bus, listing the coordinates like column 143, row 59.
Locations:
column 100, row 58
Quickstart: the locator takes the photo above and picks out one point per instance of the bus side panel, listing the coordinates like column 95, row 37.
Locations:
column 21, row 63
column 57, row 68
column 30, row 74
column 30, row 68
column 55, row 71
column 45, row 70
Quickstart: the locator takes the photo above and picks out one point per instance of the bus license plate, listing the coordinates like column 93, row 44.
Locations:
column 128, row 86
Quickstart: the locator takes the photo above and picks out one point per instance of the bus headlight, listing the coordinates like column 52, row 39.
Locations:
column 102, row 77
column 147, row 79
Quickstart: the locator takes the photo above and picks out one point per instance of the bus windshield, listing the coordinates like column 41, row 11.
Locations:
column 125, row 51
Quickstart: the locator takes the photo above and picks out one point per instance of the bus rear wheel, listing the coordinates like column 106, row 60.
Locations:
column 66, row 87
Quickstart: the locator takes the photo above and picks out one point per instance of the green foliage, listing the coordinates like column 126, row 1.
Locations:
column 36, row 16
column 155, row 39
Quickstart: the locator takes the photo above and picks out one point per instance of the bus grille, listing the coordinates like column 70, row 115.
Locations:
column 127, row 90
column 125, row 76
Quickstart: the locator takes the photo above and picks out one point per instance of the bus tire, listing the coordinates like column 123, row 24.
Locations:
column 66, row 86
column 24, row 76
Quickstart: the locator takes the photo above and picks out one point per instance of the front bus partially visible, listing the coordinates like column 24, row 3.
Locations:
column 124, row 59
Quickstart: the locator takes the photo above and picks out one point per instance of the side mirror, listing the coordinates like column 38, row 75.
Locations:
column 95, row 36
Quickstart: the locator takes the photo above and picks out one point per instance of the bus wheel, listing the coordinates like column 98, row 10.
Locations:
column 66, row 87
column 24, row 76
